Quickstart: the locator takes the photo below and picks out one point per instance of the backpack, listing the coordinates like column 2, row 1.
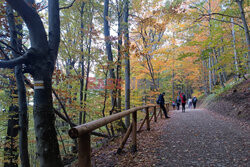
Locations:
column 158, row 100
column 194, row 99
column 184, row 97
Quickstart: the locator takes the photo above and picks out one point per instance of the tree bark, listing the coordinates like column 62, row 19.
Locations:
column 11, row 143
column 235, row 51
column 41, row 60
column 82, row 65
column 243, row 18
column 127, row 61
column 109, row 50
column 118, row 75
column 88, row 63
column 23, row 116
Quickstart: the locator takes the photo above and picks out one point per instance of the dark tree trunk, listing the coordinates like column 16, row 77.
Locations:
column 11, row 142
column 127, row 61
column 23, row 116
column 243, row 18
column 82, row 65
column 41, row 58
column 109, row 50
column 119, row 100
column 88, row 64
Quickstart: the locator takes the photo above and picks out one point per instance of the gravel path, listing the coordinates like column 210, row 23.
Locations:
column 203, row 138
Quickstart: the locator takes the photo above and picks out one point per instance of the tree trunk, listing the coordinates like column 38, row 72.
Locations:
column 44, row 117
column 110, row 57
column 243, row 18
column 82, row 65
column 23, row 116
column 118, row 83
column 127, row 61
column 41, row 59
column 88, row 67
column 173, row 84
column 11, row 142
column 235, row 51
column 210, row 74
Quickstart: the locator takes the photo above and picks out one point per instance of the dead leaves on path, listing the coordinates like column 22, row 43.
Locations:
column 147, row 144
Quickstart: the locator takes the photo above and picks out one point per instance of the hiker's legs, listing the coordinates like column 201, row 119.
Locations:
column 194, row 105
column 164, row 110
column 183, row 107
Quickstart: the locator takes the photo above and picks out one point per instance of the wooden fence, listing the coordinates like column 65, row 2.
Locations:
column 82, row 132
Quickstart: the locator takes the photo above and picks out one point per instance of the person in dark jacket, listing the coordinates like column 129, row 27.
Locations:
column 178, row 102
column 162, row 104
column 194, row 101
column 183, row 101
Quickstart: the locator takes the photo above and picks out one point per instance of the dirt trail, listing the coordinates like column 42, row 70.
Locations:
column 194, row 138
column 203, row 138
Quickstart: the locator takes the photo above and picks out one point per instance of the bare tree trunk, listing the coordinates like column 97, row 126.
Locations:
column 220, row 74
column 11, row 142
column 214, row 71
column 88, row 65
column 127, row 61
column 209, row 60
column 110, row 56
column 118, row 75
column 243, row 18
column 235, row 51
column 23, row 116
column 41, row 59
column 82, row 65
column 173, row 83
column 210, row 74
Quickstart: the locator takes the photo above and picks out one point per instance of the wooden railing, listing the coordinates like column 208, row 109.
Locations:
column 82, row 132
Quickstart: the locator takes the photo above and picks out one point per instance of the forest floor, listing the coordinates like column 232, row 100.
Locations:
column 197, row 137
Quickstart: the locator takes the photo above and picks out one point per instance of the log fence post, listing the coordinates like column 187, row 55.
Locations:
column 155, row 117
column 147, row 119
column 83, row 132
column 84, row 151
column 124, row 140
column 134, row 129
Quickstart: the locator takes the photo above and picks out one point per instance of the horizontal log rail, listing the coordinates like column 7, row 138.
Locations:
column 82, row 132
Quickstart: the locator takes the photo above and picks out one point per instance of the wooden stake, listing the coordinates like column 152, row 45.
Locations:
column 134, row 122
column 84, row 151
column 142, row 124
column 124, row 140
column 155, row 114
column 147, row 119
column 151, row 118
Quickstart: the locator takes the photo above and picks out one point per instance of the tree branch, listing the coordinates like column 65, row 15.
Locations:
column 14, row 62
column 63, row 117
column 228, row 22
column 70, row 5
column 38, row 37
column 5, row 55
column 8, row 46
column 220, row 15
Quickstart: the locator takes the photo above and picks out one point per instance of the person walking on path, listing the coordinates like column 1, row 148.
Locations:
column 194, row 101
column 178, row 102
column 189, row 103
column 161, row 101
column 183, row 101
column 173, row 105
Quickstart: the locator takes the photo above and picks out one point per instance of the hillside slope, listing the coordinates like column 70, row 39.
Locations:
column 234, row 102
